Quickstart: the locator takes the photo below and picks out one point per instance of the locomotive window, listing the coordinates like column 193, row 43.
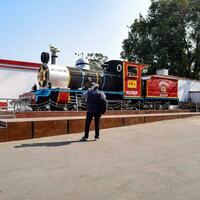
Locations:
column 132, row 71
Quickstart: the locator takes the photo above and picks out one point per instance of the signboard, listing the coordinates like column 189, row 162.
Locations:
column 132, row 84
column 161, row 87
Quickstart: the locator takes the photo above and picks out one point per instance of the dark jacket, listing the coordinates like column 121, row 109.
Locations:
column 93, row 100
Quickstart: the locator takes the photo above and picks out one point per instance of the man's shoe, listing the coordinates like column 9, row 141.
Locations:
column 97, row 139
column 83, row 139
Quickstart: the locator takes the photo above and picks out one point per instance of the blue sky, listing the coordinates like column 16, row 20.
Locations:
column 28, row 27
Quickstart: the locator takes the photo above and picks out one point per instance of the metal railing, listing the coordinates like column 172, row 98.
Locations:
column 195, row 107
column 77, row 103
column 7, row 107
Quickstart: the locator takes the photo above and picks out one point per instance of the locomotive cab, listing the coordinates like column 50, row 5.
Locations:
column 132, row 80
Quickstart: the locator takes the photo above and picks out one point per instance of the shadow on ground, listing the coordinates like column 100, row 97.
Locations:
column 50, row 144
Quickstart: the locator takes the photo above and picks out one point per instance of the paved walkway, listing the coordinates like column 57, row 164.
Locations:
column 155, row 161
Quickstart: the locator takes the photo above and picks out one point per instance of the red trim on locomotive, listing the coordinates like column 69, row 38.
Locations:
column 63, row 97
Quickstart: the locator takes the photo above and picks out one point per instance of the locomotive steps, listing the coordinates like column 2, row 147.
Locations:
column 31, row 126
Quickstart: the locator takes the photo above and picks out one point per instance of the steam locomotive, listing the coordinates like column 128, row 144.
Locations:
column 120, row 80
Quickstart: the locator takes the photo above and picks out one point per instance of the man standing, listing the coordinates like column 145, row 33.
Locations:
column 93, row 96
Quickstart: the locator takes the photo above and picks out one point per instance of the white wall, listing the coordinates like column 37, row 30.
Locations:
column 185, row 86
column 195, row 97
column 14, row 82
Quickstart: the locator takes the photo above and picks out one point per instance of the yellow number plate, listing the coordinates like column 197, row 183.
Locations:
column 132, row 84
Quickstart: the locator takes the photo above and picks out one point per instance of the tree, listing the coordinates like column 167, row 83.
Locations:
column 96, row 60
column 169, row 37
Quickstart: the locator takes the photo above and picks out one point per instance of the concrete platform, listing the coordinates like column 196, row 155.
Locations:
column 154, row 161
column 29, row 128
column 38, row 114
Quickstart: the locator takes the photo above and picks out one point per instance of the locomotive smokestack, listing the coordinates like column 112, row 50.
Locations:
column 54, row 56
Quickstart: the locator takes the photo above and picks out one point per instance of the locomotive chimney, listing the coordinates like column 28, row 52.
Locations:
column 54, row 56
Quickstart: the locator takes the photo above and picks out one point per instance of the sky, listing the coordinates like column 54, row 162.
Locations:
column 28, row 27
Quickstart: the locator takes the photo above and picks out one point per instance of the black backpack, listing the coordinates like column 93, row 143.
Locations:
column 103, row 105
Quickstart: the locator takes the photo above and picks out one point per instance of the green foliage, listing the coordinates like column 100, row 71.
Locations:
column 96, row 60
column 169, row 37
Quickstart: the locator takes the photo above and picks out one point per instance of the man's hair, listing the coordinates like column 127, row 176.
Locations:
column 95, row 86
